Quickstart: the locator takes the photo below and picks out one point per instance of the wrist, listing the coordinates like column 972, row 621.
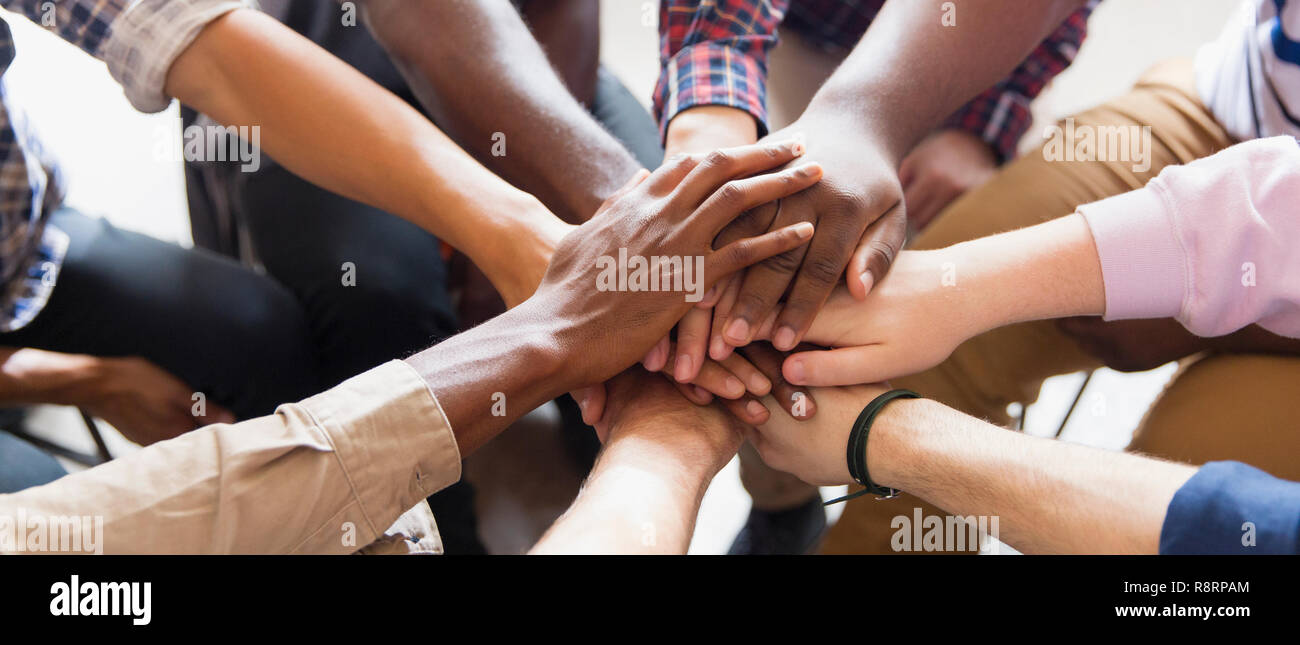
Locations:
column 515, row 359
column 984, row 287
column 670, row 467
column 521, row 262
column 895, row 437
column 545, row 342
column 709, row 127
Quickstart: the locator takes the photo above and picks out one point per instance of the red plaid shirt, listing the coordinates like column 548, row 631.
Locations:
column 714, row 52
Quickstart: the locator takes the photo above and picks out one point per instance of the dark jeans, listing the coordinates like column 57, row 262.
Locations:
column 618, row 110
column 23, row 465
column 238, row 337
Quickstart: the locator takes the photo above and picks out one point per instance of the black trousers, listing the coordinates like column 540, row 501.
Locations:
column 23, row 465
column 237, row 336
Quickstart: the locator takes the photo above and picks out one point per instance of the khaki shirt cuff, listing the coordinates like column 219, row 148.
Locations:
column 392, row 439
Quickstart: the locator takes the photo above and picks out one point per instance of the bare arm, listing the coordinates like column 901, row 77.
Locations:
column 644, row 493
column 911, row 70
column 1049, row 496
column 141, row 400
column 709, row 127
column 485, row 74
column 1052, row 496
column 329, row 124
column 569, row 32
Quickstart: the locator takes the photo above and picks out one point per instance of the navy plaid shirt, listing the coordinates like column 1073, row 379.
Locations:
column 139, row 40
column 714, row 52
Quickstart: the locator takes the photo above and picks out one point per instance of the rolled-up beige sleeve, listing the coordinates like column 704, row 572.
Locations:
column 330, row 474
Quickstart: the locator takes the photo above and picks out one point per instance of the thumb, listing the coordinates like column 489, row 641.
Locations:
column 876, row 251
column 846, row 366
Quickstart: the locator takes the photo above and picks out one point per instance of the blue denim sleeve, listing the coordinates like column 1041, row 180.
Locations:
column 1229, row 507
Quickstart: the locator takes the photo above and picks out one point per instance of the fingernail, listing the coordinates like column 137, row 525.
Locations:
column 710, row 294
column 809, row 409
column 755, row 409
column 738, row 331
column 868, row 281
column 797, row 148
column 804, row 230
column 758, row 384
column 701, row 392
column 734, row 387
column 794, row 371
column 683, row 370
column 784, row 339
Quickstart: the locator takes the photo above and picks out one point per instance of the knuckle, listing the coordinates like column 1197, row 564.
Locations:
column 718, row 159
column 750, row 301
column 883, row 251
column 849, row 204
column 731, row 194
column 785, row 262
column 823, row 270
column 687, row 334
column 740, row 255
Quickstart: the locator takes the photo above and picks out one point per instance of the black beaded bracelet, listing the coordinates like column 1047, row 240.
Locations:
column 857, row 448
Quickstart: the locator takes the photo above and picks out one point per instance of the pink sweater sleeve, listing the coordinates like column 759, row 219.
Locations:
column 1214, row 243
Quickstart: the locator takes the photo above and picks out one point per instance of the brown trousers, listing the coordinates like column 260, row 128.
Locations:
column 1241, row 407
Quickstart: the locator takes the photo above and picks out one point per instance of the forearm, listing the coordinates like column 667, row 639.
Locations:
column 30, row 376
column 329, row 124
column 553, row 148
column 1049, row 496
column 489, row 376
column 911, row 71
column 640, row 498
column 1046, row 271
column 569, row 32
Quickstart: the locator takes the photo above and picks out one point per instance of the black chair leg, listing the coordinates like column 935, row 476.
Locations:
column 101, row 454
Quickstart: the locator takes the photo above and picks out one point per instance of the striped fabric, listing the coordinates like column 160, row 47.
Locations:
column 1250, row 76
